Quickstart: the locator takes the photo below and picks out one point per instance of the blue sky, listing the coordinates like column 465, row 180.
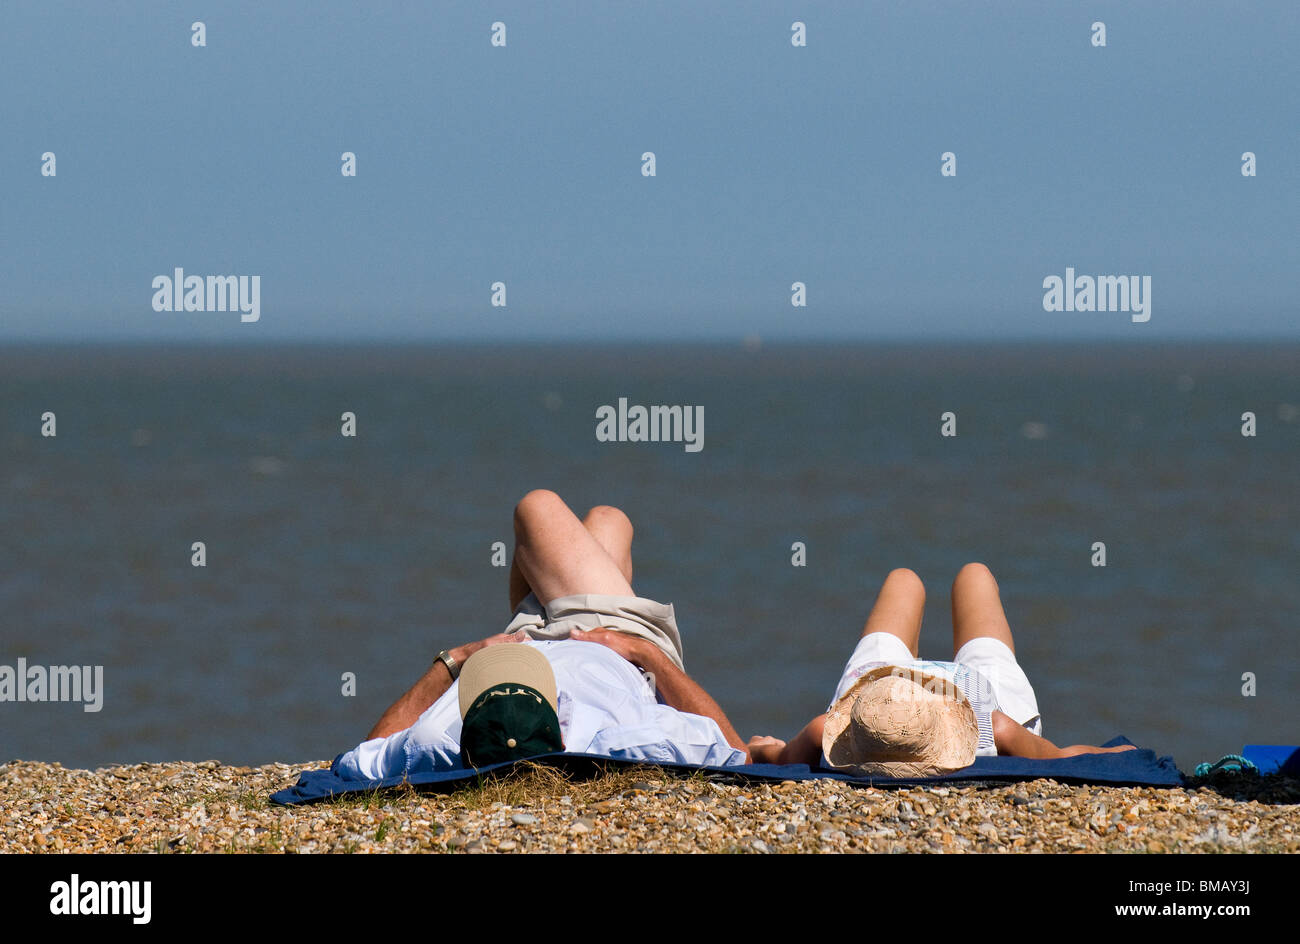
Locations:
column 774, row 164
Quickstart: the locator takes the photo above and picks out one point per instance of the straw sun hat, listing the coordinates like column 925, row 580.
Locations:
column 900, row 722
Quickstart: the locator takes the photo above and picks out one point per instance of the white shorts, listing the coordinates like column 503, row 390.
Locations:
column 990, row 657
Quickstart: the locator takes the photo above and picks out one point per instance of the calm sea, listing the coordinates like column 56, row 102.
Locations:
column 329, row 555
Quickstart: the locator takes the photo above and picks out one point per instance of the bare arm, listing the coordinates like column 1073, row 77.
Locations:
column 404, row 712
column 1016, row 740
column 806, row 748
column 677, row 688
column 1012, row 740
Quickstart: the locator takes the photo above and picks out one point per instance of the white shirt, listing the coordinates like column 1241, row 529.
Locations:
column 606, row 707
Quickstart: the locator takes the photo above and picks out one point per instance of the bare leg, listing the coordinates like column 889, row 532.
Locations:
column 977, row 608
column 609, row 526
column 556, row 555
column 518, row 585
column 613, row 529
column 898, row 608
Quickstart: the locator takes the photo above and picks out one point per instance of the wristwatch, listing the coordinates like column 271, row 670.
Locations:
column 452, row 665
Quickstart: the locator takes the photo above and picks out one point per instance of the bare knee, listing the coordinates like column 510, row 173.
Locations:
column 536, row 505
column 974, row 573
column 907, row 578
column 608, row 516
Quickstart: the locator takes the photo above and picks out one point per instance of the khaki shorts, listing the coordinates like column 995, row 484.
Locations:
column 635, row 615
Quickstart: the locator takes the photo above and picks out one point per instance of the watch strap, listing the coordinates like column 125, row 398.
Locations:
column 452, row 665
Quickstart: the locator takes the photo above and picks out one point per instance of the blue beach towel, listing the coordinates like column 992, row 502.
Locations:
column 1130, row 768
column 1274, row 758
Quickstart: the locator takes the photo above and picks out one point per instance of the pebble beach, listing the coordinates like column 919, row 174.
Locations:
column 210, row 807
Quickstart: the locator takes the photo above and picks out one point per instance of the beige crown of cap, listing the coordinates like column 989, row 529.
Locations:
column 506, row 663
column 900, row 722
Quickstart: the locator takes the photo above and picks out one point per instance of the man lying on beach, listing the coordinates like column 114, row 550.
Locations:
column 894, row 715
column 577, row 669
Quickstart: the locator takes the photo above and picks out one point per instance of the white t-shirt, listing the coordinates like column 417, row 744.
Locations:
column 606, row 707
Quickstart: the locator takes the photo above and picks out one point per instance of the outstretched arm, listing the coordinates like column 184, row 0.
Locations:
column 1016, row 740
column 806, row 748
column 677, row 688
column 1011, row 739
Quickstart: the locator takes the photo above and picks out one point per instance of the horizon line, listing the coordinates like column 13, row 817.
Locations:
column 755, row 342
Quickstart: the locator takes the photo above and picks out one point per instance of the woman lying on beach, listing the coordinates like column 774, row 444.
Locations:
column 896, row 715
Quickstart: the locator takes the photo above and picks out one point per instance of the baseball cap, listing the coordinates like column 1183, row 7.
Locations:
column 508, row 705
